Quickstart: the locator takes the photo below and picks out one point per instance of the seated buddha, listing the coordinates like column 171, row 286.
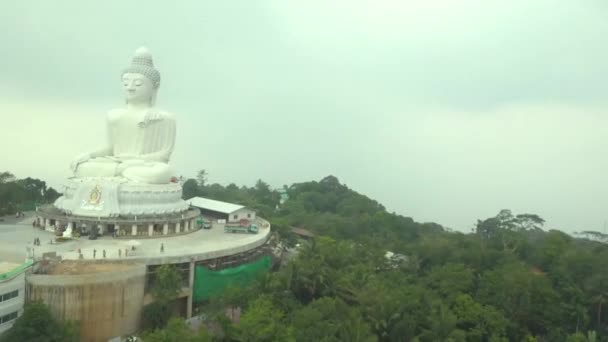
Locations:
column 140, row 137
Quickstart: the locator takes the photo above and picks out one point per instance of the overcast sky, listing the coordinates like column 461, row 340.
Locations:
column 445, row 111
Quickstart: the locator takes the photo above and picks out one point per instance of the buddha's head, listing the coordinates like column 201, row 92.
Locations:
column 141, row 80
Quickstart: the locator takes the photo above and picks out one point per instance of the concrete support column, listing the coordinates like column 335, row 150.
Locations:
column 193, row 224
column 100, row 229
column 150, row 229
column 43, row 222
column 178, row 227
column 134, row 230
column 70, row 225
column 191, row 289
column 165, row 229
column 186, row 226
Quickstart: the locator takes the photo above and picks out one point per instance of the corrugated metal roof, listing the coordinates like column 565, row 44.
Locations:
column 213, row 205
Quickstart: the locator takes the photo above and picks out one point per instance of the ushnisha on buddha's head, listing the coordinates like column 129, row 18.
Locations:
column 141, row 80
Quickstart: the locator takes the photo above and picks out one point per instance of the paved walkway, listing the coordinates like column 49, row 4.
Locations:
column 202, row 244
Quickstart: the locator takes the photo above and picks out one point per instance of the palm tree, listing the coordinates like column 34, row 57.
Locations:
column 600, row 299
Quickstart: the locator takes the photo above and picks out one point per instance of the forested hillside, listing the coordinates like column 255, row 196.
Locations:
column 371, row 275
column 512, row 279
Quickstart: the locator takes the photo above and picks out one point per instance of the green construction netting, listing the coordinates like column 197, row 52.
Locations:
column 208, row 283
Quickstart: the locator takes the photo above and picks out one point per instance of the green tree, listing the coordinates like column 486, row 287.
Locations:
column 450, row 280
column 580, row 337
column 598, row 288
column 527, row 298
column 38, row 324
column 503, row 230
column 528, row 222
column 34, row 188
column 190, row 189
column 51, row 195
column 262, row 321
column 201, row 177
column 6, row 177
column 393, row 307
column 441, row 325
column 285, row 234
column 479, row 322
column 156, row 315
column 167, row 285
column 329, row 319
column 22, row 194
column 177, row 330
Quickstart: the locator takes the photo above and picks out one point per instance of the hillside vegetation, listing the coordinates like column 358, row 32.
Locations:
column 509, row 280
column 371, row 275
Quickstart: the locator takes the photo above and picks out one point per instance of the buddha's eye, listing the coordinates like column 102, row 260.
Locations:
column 138, row 83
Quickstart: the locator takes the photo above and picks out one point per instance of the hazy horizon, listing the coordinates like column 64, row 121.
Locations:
column 444, row 111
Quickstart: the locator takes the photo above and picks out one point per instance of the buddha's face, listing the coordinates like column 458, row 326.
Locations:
column 138, row 88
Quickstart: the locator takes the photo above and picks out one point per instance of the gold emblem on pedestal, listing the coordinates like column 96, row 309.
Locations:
column 95, row 195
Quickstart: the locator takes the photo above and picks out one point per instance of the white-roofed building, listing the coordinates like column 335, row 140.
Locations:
column 12, row 292
column 222, row 210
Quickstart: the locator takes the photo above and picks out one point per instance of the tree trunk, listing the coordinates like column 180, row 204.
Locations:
column 599, row 315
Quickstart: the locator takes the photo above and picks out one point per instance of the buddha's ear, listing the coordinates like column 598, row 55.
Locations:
column 153, row 97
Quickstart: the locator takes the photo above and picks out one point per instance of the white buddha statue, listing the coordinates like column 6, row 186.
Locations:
column 140, row 137
column 130, row 176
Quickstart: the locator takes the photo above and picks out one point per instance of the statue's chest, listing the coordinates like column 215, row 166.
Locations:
column 128, row 133
column 127, row 124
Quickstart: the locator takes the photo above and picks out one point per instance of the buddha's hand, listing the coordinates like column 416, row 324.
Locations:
column 79, row 160
column 127, row 164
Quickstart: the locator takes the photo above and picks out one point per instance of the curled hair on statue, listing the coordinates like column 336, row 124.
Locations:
column 143, row 64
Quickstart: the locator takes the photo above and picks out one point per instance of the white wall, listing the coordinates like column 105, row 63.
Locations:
column 241, row 214
column 13, row 304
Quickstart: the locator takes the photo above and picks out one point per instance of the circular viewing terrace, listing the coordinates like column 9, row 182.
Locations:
column 198, row 245
column 149, row 226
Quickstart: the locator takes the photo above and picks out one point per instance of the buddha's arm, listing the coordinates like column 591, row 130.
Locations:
column 108, row 149
column 160, row 156
column 87, row 156
column 103, row 152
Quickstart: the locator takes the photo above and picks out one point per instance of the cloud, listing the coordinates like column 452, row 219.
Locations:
column 443, row 110
column 455, row 167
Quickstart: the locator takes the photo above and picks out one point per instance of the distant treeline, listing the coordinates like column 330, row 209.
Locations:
column 23, row 194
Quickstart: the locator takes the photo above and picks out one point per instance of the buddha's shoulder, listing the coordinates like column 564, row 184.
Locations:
column 155, row 113
column 115, row 114
column 164, row 114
